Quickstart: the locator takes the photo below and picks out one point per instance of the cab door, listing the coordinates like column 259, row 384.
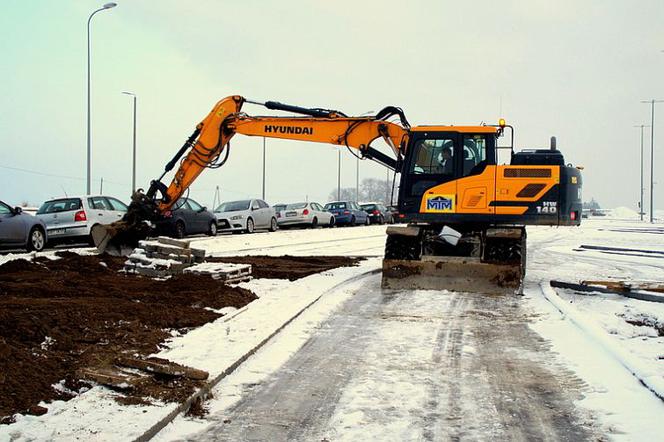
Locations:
column 428, row 183
column 477, row 173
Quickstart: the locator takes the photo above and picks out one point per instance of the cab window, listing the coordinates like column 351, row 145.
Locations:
column 434, row 156
column 474, row 154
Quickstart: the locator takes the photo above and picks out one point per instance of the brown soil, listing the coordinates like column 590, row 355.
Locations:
column 92, row 313
column 289, row 267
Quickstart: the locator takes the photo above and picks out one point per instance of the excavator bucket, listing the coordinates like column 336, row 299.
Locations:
column 497, row 267
column 119, row 238
column 459, row 274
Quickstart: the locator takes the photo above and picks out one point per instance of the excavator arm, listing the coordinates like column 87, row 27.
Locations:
column 209, row 147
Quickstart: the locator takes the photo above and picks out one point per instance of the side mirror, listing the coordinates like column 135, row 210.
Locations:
column 17, row 210
column 203, row 209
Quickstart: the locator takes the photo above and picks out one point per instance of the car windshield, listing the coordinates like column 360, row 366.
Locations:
column 296, row 206
column 369, row 207
column 233, row 206
column 62, row 205
column 335, row 206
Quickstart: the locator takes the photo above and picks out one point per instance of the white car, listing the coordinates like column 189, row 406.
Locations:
column 305, row 214
column 72, row 218
column 245, row 216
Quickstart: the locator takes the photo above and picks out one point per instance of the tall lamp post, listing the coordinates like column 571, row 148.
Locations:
column 339, row 177
column 652, row 153
column 263, row 168
column 133, row 161
column 103, row 8
column 641, row 203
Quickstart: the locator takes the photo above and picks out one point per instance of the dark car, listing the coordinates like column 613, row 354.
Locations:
column 187, row 217
column 20, row 230
column 378, row 213
column 347, row 213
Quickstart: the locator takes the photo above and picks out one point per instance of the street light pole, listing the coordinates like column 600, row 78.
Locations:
column 652, row 154
column 357, row 181
column 133, row 162
column 339, row 178
column 106, row 6
column 263, row 168
column 641, row 203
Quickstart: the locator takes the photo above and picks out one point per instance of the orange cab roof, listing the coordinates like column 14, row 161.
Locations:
column 465, row 129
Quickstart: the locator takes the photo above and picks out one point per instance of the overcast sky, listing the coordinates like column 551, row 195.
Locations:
column 571, row 68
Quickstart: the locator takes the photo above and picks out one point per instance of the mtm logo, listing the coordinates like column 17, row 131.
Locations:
column 440, row 203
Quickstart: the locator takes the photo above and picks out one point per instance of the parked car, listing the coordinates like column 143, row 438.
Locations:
column 187, row 217
column 378, row 213
column 245, row 216
column 72, row 218
column 308, row 214
column 394, row 211
column 20, row 230
column 348, row 213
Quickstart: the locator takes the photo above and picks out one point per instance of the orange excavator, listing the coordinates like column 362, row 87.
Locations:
column 463, row 214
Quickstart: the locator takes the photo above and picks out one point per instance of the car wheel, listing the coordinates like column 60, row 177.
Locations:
column 273, row 225
column 352, row 221
column 212, row 231
column 332, row 222
column 367, row 221
column 314, row 223
column 36, row 240
column 250, row 226
column 180, row 230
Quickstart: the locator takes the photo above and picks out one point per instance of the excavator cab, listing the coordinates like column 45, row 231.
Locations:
column 466, row 214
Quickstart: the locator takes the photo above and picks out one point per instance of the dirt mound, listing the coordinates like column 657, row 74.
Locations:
column 78, row 311
column 289, row 267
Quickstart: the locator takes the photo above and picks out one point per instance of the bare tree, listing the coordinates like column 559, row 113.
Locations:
column 371, row 189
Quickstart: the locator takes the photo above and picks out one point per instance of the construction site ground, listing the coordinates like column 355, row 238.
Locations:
column 332, row 356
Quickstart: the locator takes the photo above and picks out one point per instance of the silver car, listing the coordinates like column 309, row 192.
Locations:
column 305, row 214
column 20, row 230
column 72, row 218
column 245, row 216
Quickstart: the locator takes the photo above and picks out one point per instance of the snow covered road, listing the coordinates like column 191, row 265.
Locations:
column 403, row 365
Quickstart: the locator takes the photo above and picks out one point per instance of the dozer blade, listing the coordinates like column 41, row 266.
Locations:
column 460, row 274
column 119, row 238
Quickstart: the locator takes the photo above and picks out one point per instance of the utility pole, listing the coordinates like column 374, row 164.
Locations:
column 641, row 203
column 357, row 181
column 339, row 177
column 133, row 161
column 263, row 168
column 217, row 197
column 652, row 154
